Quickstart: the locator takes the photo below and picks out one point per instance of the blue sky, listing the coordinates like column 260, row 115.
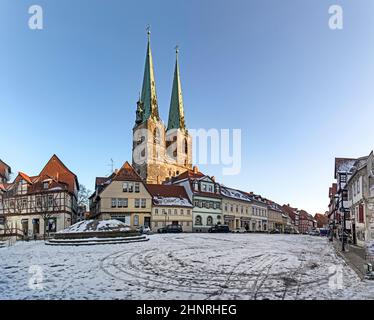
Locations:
column 301, row 93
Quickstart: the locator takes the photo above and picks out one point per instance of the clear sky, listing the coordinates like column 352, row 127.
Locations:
column 301, row 93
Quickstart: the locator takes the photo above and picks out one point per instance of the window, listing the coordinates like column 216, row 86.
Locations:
column 182, row 211
column 169, row 211
column 225, row 206
column 156, row 135
column 51, row 225
column 209, row 221
column 137, row 203
column 125, row 187
column 345, row 195
column 120, row 203
column 204, row 187
column 156, row 211
column 114, row 203
column 196, row 203
column 136, row 220
column 144, row 203
column 175, row 211
column 232, row 208
column 361, row 213
column 198, row 221
column 38, row 202
column 210, row 188
column 358, row 186
column 50, row 201
column 187, row 223
column 185, row 146
column 188, row 211
column 137, row 187
column 45, row 185
column 125, row 203
column 24, row 203
column 131, row 187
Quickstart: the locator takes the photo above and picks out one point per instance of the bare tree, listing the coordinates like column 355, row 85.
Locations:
column 83, row 196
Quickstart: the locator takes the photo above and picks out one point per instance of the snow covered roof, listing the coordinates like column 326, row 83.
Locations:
column 235, row 194
column 171, row 201
column 169, row 195
column 97, row 226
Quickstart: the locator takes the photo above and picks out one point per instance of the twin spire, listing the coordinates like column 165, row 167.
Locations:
column 148, row 105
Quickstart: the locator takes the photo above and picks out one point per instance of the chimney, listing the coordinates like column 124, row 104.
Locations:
column 195, row 169
column 115, row 171
column 213, row 178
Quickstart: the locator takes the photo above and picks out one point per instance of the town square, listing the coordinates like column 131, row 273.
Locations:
column 198, row 151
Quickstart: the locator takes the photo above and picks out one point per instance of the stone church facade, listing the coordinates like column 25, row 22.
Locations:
column 160, row 152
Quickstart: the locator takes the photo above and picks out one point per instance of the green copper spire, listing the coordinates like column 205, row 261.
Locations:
column 148, row 100
column 176, row 112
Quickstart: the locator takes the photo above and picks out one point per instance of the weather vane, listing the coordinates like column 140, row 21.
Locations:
column 148, row 28
column 176, row 49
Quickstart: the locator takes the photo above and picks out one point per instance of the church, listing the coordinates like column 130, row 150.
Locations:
column 160, row 152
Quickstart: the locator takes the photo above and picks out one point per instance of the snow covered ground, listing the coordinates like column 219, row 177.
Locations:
column 182, row 266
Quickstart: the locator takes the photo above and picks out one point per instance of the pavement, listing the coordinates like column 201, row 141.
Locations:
column 354, row 256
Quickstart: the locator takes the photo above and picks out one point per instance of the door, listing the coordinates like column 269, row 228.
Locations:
column 147, row 221
column 25, row 226
column 35, row 226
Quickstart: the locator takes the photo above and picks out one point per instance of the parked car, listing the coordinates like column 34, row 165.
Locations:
column 171, row 228
column 219, row 228
column 144, row 230
column 275, row 231
column 239, row 230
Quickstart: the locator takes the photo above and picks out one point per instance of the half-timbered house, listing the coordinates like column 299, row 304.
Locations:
column 41, row 204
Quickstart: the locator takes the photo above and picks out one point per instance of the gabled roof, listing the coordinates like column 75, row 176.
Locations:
column 25, row 177
column 343, row 165
column 189, row 174
column 195, row 175
column 5, row 170
column 127, row 173
column 56, row 169
column 171, row 195
column 55, row 172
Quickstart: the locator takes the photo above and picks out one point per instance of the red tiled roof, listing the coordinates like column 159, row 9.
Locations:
column 25, row 177
column 4, row 169
column 58, row 174
column 56, row 170
column 167, row 190
column 127, row 173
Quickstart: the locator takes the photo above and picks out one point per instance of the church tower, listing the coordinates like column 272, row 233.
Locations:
column 178, row 141
column 159, row 154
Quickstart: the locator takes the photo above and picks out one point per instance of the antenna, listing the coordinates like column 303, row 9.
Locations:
column 111, row 165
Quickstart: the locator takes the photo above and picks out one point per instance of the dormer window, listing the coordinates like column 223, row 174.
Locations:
column 45, row 185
